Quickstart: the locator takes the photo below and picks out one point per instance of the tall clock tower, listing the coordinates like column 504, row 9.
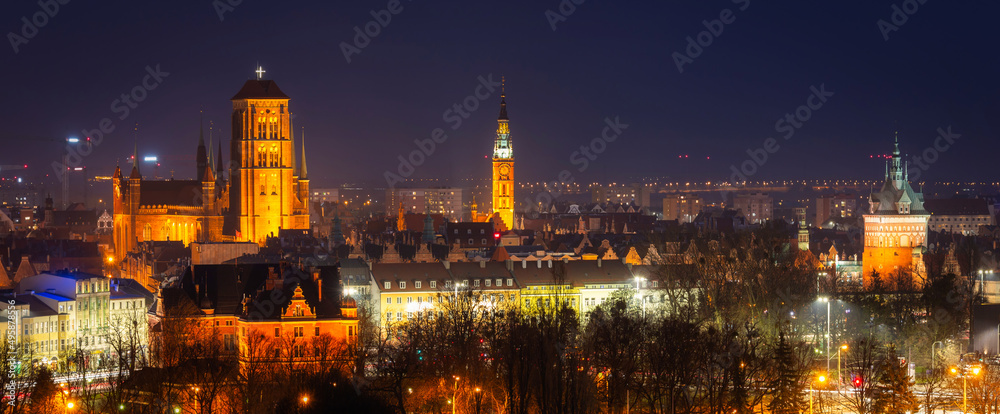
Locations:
column 503, row 167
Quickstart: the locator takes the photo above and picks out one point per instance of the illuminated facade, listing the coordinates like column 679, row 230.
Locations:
column 269, row 193
column 265, row 191
column 503, row 169
column 895, row 226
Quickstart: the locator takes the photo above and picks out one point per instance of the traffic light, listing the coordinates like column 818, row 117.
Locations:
column 420, row 356
column 857, row 382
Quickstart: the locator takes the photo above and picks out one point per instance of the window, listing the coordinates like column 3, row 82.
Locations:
column 471, row 241
column 299, row 331
column 402, row 285
column 409, row 315
column 409, row 299
column 499, row 282
column 416, row 284
column 433, row 284
column 399, row 316
column 388, row 300
column 277, row 332
column 447, row 284
column 487, row 282
column 470, row 231
column 350, row 331
column 655, row 283
column 483, row 241
column 388, row 285
column 399, row 299
column 316, row 333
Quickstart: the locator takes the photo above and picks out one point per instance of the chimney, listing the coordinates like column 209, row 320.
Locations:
column 510, row 264
column 524, row 264
column 550, row 263
column 447, row 264
column 539, row 262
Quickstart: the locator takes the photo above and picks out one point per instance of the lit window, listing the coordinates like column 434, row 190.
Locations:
column 416, row 284
column 433, row 284
column 388, row 285
column 402, row 285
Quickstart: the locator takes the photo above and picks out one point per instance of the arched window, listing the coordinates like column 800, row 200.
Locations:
column 147, row 232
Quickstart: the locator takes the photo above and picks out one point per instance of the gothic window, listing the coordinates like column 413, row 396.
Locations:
column 147, row 233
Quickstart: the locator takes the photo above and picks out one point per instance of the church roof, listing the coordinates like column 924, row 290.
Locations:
column 254, row 88
column 958, row 207
column 170, row 192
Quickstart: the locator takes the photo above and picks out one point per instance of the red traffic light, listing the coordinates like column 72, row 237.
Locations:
column 496, row 235
column 857, row 382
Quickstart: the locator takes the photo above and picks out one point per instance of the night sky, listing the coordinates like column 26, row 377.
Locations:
column 605, row 59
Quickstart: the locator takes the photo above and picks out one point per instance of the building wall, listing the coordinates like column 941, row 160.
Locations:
column 446, row 201
column 757, row 207
column 681, row 207
column 961, row 224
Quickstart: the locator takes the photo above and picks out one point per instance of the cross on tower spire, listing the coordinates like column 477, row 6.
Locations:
column 260, row 72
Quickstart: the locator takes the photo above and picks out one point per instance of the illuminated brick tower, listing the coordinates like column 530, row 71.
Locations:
column 503, row 167
column 895, row 227
column 267, row 190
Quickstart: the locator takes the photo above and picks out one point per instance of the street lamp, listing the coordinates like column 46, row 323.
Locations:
column 965, row 400
column 827, row 300
column 840, row 377
column 454, row 395
column 820, row 379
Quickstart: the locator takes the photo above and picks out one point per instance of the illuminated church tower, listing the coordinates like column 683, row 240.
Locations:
column 503, row 168
column 895, row 228
column 268, row 193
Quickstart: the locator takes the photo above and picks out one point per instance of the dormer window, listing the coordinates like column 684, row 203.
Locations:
column 402, row 285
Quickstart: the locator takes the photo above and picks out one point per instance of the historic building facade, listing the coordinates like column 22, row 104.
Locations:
column 503, row 168
column 264, row 190
column 895, row 227
column 269, row 192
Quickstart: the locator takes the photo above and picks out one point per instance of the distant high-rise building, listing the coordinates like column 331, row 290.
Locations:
column 757, row 207
column 834, row 206
column 895, row 227
column 446, row 201
column 681, row 207
column 634, row 193
column 503, row 167
column 328, row 195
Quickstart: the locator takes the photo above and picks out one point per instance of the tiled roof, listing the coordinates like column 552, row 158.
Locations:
column 260, row 89
column 957, row 207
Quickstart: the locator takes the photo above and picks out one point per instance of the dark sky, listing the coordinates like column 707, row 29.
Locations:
column 606, row 59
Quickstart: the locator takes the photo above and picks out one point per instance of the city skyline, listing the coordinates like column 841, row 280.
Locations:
column 691, row 124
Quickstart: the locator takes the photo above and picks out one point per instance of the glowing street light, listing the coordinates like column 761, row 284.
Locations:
column 965, row 401
column 820, row 379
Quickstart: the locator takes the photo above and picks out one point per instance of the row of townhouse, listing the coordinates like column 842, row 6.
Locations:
column 401, row 291
column 61, row 315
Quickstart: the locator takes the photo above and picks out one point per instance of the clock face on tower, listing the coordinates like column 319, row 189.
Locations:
column 504, row 171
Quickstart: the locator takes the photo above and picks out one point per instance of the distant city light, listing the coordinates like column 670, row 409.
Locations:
column 73, row 140
column 150, row 158
column 78, row 169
